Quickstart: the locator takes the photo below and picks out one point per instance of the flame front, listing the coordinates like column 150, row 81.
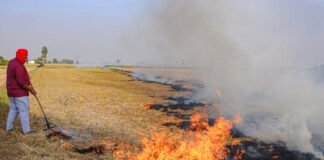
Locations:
column 218, row 92
column 199, row 122
column 201, row 142
column 237, row 119
column 148, row 106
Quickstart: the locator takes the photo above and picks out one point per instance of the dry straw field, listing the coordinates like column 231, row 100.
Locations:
column 95, row 103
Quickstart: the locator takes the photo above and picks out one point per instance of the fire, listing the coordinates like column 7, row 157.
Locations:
column 167, row 122
column 275, row 157
column 148, row 105
column 237, row 119
column 218, row 92
column 65, row 146
column 204, row 143
column 178, row 124
column 199, row 122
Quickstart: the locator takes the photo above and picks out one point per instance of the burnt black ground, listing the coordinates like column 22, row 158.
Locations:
column 255, row 150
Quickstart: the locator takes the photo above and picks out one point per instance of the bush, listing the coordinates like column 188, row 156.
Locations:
column 4, row 62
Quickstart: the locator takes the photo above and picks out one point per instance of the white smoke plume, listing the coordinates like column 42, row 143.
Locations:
column 255, row 52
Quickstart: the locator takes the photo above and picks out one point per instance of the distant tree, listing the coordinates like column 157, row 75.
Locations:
column 77, row 62
column 3, row 61
column 118, row 61
column 44, row 53
column 55, row 61
column 67, row 61
column 39, row 60
column 49, row 62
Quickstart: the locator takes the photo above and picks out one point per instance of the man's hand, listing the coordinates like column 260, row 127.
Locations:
column 32, row 91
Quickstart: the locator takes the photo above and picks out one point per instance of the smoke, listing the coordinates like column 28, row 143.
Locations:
column 255, row 52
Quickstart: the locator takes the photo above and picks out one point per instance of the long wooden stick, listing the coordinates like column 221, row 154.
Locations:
column 40, row 105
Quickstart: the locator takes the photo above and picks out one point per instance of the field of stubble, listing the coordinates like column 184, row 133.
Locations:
column 96, row 103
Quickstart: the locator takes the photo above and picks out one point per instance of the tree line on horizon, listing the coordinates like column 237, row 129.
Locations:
column 43, row 59
column 3, row 61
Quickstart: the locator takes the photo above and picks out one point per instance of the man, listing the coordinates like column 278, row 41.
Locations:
column 18, row 88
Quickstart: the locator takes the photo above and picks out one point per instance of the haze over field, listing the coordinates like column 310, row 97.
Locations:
column 249, row 49
column 253, row 53
column 159, row 32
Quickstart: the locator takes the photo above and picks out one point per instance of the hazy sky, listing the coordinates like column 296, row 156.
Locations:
column 79, row 29
column 104, row 30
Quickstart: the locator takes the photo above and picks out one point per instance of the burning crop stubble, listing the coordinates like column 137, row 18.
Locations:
column 256, row 54
column 108, row 104
column 251, row 52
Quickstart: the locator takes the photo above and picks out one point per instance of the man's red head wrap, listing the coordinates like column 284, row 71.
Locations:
column 20, row 54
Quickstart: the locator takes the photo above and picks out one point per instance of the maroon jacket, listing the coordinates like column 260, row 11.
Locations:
column 17, row 76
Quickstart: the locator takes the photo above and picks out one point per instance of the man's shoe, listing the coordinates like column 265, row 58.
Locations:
column 31, row 131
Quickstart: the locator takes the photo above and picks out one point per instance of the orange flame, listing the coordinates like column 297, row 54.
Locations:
column 178, row 124
column 275, row 157
column 148, row 106
column 237, row 119
column 65, row 146
column 205, row 143
column 199, row 122
column 167, row 122
column 218, row 92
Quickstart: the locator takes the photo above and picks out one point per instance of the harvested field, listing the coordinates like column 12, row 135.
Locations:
column 95, row 103
column 106, row 107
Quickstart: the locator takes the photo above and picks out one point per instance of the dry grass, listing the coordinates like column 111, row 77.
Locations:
column 97, row 103
column 51, row 65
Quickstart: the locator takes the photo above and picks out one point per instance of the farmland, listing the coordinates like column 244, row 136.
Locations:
column 118, row 108
column 97, row 103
